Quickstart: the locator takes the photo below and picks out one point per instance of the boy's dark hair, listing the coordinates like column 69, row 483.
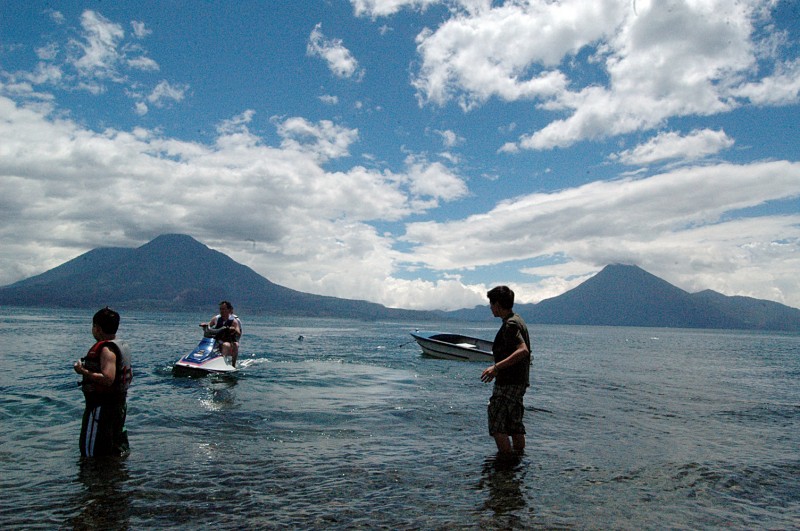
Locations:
column 227, row 304
column 501, row 295
column 107, row 319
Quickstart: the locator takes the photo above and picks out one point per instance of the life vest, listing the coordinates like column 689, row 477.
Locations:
column 122, row 378
column 219, row 323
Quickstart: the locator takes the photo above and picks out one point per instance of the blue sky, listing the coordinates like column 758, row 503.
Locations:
column 412, row 153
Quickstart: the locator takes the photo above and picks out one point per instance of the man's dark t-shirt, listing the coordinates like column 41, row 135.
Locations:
column 511, row 333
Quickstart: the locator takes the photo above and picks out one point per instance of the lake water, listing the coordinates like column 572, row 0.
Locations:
column 353, row 428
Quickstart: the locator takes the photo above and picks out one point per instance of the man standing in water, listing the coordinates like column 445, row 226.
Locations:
column 107, row 373
column 510, row 372
column 229, row 330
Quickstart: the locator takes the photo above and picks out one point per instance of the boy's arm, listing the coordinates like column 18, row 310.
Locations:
column 108, row 369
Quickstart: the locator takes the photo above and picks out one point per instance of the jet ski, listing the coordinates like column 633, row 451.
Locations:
column 205, row 359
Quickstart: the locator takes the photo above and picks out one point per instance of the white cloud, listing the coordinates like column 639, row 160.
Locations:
column 140, row 30
column 381, row 8
column 55, row 16
column 48, row 52
column 433, row 180
column 44, row 73
column 782, row 88
column 237, row 124
column 539, row 224
column 653, row 60
column 165, row 92
column 450, row 138
column 98, row 58
column 99, row 55
column 340, row 61
column 510, row 51
column 143, row 63
column 673, row 146
column 324, row 139
column 672, row 224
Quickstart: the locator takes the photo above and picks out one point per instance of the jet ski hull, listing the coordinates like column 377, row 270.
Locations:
column 203, row 360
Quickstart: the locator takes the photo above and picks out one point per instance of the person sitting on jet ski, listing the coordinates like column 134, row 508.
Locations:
column 227, row 328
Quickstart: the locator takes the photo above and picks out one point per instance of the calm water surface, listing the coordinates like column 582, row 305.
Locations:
column 627, row 428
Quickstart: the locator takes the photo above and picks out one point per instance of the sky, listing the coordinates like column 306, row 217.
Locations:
column 413, row 153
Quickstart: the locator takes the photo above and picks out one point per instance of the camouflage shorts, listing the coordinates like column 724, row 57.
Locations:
column 506, row 410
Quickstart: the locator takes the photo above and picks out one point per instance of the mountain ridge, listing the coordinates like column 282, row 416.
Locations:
column 626, row 295
column 620, row 305
column 175, row 272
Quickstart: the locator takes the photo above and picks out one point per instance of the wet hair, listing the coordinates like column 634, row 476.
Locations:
column 501, row 295
column 107, row 319
column 227, row 304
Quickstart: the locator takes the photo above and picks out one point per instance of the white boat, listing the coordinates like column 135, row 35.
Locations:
column 454, row 346
column 204, row 359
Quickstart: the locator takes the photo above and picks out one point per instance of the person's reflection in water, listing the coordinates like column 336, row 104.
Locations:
column 221, row 389
column 104, row 501
column 503, row 474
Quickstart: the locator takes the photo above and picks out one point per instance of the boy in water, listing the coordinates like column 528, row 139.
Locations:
column 107, row 373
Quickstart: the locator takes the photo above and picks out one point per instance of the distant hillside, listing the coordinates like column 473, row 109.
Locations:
column 176, row 272
column 753, row 313
column 622, row 295
column 629, row 296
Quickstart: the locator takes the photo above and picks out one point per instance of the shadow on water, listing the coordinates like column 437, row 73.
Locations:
column 103, row 501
